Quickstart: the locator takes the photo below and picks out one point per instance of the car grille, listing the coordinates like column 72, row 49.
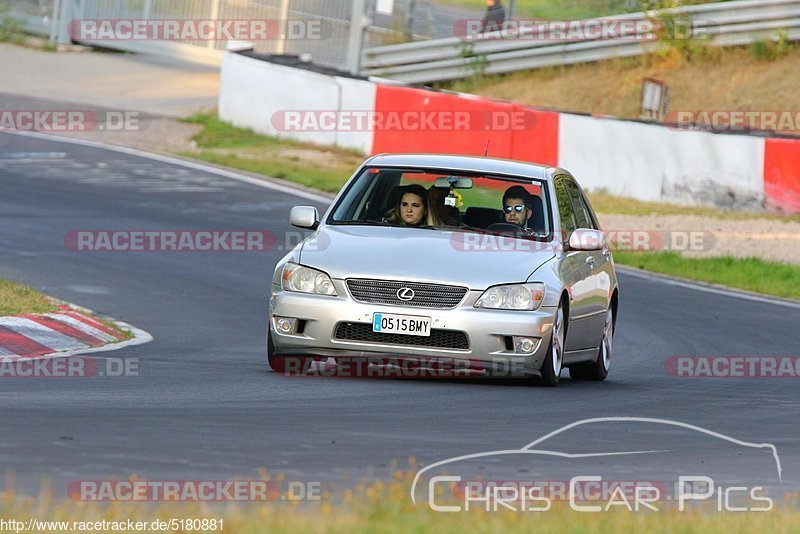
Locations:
column 425, row 295
column 440, row 339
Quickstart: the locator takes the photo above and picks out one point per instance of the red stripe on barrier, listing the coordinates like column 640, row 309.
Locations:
column 20, row 345
column 470, row 141
column 95, row 324
column 509, row 130
column 66, row 329
column 540, row 143
column 782, row 174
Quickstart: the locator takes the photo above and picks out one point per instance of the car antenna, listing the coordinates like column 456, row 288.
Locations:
column 486, row 152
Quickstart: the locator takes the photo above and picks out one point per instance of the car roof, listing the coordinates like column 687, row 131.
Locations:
column 451, row 162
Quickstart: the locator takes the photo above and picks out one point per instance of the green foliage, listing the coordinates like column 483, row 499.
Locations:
column 770, row 50
column 11, row 30
column 749, row 274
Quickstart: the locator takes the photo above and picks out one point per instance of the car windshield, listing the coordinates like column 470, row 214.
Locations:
column 445, row 201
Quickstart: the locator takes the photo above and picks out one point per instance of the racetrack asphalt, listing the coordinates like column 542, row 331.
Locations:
column 205, row 405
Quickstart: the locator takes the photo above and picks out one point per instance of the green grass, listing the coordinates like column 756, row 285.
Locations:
column 605, row 203
column 328, row 168
column 385, row 507
column 749, row 274
column 324, row 168
column 565, row 9
column 16, row 299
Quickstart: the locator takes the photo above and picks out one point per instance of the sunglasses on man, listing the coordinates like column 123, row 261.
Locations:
column 519, row 208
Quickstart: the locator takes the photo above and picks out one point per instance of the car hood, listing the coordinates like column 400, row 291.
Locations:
column 463, row 258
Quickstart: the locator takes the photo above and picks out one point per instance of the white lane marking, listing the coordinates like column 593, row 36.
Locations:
column 42, row 334
column 265, row 183
column 83, row 327
column 666, row 279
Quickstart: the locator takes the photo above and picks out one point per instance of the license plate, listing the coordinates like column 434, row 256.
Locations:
column 410, row 325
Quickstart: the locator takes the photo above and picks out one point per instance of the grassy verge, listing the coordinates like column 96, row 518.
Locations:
column 750, row 274
column 565, row 9
column 324, row 168
column 16, row 298
column 605, row 203
column 328, row 168
column 731, row 79
column 386, row 507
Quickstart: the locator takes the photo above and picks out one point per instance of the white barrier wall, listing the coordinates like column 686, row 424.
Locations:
column 651, row 162
column 642, row 161
column 260, row 95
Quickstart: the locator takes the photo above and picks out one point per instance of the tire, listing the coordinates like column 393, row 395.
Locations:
column 598, row 369
column 554, row 361
column 278, row 364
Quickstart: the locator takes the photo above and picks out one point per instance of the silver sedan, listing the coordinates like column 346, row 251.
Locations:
column 492, row 265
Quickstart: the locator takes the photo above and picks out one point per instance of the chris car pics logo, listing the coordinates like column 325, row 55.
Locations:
column 589, row 492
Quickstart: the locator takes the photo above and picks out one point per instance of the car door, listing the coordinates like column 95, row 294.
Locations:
column 575, row 272
column 598, row 278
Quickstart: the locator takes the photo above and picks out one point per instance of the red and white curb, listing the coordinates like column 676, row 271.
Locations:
column 70, row 330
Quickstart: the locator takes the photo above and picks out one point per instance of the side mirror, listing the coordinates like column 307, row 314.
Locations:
column 304, row 217
column 587, row 239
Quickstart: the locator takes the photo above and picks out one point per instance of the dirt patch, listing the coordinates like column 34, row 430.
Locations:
column 697, row 236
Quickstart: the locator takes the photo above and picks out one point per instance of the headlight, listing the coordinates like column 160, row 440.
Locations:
column 306, row 280
column 512, row 297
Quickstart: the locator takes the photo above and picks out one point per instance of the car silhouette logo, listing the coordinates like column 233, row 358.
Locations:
column 405, row 293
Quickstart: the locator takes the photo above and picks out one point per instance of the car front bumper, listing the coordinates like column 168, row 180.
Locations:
column 487, row 331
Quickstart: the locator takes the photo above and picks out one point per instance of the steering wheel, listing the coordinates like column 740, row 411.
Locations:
column 504, row 227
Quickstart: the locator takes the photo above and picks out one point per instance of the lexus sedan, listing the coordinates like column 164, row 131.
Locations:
column 486, row 264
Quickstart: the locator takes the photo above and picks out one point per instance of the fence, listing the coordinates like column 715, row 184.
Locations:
column 720, row 24
column 51, row 18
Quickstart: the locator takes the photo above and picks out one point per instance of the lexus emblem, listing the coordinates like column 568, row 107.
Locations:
column 405, row 293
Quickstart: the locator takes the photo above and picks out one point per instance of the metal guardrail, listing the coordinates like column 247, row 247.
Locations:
column 733, row 23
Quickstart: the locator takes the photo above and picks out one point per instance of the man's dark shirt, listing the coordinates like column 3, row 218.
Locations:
column 494, row 18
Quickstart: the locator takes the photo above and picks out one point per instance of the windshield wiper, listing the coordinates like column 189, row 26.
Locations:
column 361, row 223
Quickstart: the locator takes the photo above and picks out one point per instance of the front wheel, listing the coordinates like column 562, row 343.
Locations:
column 285, row 365
column 553, row 362
column 598, row 369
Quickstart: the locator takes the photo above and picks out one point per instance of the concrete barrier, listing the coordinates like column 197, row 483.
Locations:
column 650, row 162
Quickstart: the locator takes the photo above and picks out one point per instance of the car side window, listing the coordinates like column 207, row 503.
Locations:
column 565, row 211
column 582, row 216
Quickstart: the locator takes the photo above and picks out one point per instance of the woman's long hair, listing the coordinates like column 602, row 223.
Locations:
column 394, row 215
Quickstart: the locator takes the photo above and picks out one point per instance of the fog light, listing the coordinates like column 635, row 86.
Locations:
column 524, row 345
column 285, row 325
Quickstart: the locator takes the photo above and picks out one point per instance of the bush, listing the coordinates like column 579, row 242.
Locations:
column 772, row 49
column 11, row 30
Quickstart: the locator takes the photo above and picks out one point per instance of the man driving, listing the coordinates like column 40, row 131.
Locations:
column 517, row 206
